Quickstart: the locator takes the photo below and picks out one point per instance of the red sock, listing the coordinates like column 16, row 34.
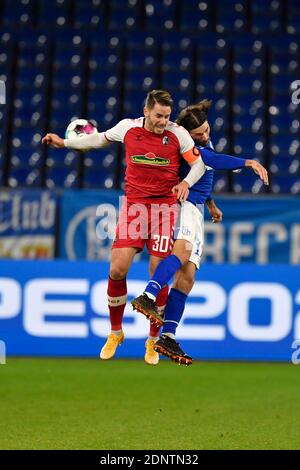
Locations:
column 161, row 301
column 117, row 297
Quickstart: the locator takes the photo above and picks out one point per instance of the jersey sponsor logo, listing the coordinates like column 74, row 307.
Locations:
column 150, row 159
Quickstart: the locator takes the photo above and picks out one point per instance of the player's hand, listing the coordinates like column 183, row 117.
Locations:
column 181, row 190
column 259, row 170
column 54, row 140
column 215, row 213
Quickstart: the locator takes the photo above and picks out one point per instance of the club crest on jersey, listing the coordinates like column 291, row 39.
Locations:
column 150, row 159
column 165, row 140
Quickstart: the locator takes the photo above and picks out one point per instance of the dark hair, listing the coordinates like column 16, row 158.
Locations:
column 194, row 116
column 158, row 96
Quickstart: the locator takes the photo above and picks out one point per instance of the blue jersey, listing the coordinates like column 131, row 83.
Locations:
column 201, row 190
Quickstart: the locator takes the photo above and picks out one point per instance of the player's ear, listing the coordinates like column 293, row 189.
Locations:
column 146, row 111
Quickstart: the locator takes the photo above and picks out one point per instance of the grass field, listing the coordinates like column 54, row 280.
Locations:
column 88, row 404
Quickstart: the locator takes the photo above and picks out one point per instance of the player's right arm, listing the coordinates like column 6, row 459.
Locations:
column 54, row 140
column 88, row 142
column 93, row 141
column 215, row 213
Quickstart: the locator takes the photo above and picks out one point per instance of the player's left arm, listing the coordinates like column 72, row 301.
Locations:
column 196, row 172
column 221, row 161
column 258, row 169
column 193, row 157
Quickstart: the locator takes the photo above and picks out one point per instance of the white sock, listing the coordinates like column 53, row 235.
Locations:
column 151, row 296
column 116, row 332
column 170, row 335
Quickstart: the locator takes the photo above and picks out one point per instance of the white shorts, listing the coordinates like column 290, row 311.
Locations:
column 190, row 227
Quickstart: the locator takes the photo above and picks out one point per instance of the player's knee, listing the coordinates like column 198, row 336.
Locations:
column 118, row 272
column 184, row 283
column 184, row 256
column 182, row 249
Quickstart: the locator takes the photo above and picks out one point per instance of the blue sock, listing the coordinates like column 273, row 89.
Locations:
column 174, row 311
column 163, row 273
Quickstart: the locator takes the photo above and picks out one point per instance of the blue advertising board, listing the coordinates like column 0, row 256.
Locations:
column 235, row 312
column 27, row 224
column 254, row 229
column 80, row 215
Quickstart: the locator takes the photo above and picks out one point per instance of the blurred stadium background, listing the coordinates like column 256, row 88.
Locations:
column 97, row 59
column 62, row 59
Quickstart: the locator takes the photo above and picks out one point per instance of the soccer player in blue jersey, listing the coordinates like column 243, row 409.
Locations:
column 189, row 234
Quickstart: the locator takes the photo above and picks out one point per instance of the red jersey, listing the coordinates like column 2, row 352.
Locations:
column 152, row 160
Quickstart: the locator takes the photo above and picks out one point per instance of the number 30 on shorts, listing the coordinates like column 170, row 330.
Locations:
column 161, row 243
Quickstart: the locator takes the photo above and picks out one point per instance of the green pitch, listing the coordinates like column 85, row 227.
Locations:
column 90, row 404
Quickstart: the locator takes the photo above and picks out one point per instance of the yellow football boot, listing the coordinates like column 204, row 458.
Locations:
column 151, row 356
column 109, row 349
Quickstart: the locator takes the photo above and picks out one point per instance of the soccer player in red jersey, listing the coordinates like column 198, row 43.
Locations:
column 189, row 235
column 154, row 146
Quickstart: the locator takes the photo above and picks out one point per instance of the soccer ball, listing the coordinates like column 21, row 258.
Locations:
column 79, row 128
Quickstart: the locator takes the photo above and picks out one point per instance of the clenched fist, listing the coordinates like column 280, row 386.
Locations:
column 54, row 140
